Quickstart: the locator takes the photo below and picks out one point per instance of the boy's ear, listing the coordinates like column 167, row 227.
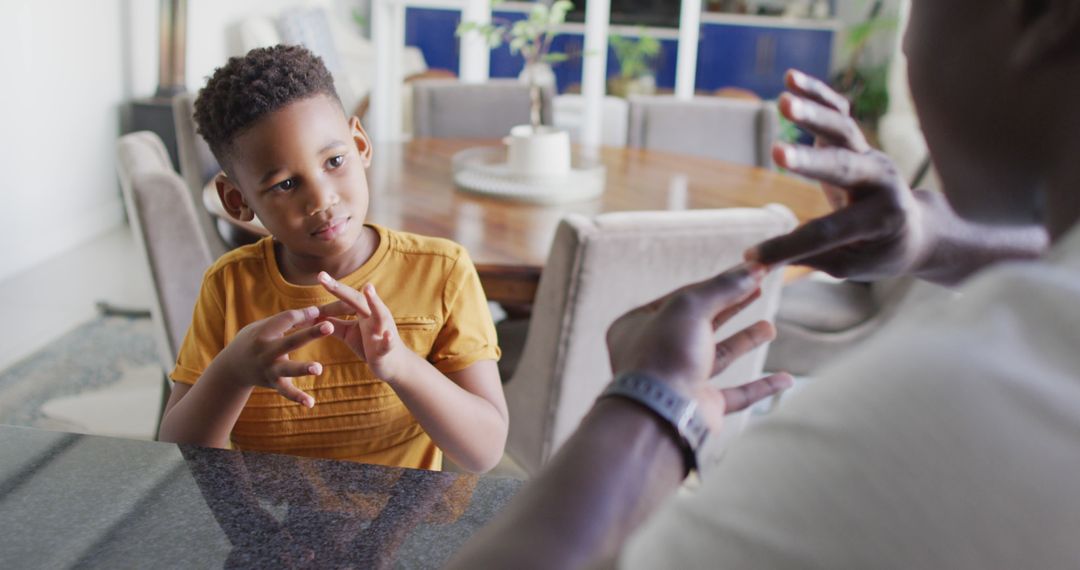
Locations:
column 1048, row 29
column 232, row 199
column 360, row 137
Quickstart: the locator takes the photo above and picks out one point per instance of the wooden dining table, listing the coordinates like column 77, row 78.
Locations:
column 412, row 189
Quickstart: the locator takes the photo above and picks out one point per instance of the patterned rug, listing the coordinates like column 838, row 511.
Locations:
column 103, row 377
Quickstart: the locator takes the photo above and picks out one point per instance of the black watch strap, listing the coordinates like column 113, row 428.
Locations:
column 678, row 410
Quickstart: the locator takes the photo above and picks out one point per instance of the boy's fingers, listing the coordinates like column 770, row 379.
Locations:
column 824, row 122
column 341, row 327
column 737, row 345
column 336, row 309
column 304, row 336
column 285, row 387
column 285, row 368
column 285, row 320
column 812, row 88
column 348, row 295
column 384, row 321
column 739, row 398
column 855, row 223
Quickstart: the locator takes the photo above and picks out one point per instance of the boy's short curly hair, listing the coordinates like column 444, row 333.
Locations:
column 247, row 88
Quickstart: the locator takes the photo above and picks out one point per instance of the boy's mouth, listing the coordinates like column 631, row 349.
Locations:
column 331, row 229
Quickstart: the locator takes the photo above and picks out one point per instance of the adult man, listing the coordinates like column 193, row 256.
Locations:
column 949, row 442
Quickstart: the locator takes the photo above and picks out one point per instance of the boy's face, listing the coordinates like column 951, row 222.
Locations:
column 301, row 170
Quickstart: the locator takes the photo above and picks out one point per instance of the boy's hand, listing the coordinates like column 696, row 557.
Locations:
column 260, row 352
column 373, row 334
column 880, row 227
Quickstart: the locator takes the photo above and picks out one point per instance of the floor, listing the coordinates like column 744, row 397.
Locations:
column 55, row 297
column 61, row 293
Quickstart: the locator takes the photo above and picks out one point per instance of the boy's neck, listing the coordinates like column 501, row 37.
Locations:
column 300, row 270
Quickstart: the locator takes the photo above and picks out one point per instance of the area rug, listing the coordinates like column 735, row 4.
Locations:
column 102, row 378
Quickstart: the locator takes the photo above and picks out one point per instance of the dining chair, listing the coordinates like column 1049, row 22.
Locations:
column 198, row 166
column 723, row 128
column 446, row 108
column 597, row 269
column 568, row 112
column 166, row 228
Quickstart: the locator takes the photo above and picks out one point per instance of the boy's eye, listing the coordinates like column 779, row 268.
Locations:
column 336, row 161
column 287, row 184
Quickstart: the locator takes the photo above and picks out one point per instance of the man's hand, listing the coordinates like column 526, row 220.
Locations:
column 880, row 227
column 259, row 355
column 672, row 338
column 373, row 335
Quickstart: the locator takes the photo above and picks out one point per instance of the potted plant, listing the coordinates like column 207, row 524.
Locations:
column 636, row 58
column 866, row 85
column 534, row 149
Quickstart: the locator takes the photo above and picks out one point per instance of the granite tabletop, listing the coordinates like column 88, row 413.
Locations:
column 69, row 500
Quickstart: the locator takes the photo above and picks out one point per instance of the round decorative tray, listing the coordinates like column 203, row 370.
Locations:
column 483, row 170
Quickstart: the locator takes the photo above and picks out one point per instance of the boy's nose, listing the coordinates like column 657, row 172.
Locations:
column 322, row 197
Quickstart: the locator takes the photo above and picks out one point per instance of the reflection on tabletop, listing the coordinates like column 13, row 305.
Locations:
column 72, row 500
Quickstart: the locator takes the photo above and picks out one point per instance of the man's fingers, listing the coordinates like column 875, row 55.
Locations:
column 725, row 315
column 739, row 398
column 351, row 297
column 285, row 387
column 303, row 336
column 838, row 166
column 739, row 344
column 824, row 122
column 729, row 288
column 857, row 222
column 816, row 90
column 286, row 320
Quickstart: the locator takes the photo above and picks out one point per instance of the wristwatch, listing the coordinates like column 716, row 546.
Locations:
column 663, row 400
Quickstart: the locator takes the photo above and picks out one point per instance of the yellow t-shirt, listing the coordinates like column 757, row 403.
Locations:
column 434, row 293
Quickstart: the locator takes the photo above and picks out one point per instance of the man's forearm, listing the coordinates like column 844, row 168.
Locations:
column 607, row 478
column 962, row 247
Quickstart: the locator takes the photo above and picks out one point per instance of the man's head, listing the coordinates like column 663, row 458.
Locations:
column 290, row 155
column 995, row 84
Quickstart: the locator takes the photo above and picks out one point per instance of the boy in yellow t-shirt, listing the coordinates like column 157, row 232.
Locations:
column 411, row 371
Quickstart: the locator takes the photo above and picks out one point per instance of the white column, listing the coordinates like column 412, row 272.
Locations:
column 686, row 64
column 475, row 58
column 594, row 72
column 388, row 37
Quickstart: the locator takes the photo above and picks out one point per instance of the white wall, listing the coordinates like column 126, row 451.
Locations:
column 59, row 119
column 70, row 67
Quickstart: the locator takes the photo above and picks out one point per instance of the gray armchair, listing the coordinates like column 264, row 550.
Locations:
column 734, row 130
column 599, row 268
column 166, row 228
column 198, row 166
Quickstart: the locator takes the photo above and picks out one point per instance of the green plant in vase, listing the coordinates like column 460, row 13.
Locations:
column 531, row 38
column 636, row 59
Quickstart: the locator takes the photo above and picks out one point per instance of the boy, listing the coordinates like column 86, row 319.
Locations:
column 413, row 375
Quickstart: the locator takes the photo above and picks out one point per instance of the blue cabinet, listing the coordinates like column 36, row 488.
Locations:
column 434, row 32
column 752, row 57
column 756, row 57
